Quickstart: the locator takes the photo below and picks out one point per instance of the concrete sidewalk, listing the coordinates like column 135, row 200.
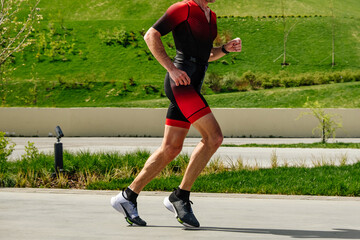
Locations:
column 251, row 156
column 80, row 214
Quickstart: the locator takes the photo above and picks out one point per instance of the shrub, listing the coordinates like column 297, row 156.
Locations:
column 306, row 80
column 320, row 78
column 275, row 81
column 267, row 84
column 242, row 85
column 336, row 77
column 213, row 80
column 265, row 81
column 251, row 79
column 228, row 82
column 357, row 76
column 256, row 84
column 347, row 76
column 289, row 82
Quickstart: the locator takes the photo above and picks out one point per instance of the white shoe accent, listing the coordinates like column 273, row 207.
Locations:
column 169, row 205
column 124, row 206
column 117, row 206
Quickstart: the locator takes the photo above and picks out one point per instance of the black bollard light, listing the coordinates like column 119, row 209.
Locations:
column 58, row 149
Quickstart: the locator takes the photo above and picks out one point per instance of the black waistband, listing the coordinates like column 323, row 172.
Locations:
column 182, row 56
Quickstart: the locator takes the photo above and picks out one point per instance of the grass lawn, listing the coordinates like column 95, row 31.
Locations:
column 116, row 171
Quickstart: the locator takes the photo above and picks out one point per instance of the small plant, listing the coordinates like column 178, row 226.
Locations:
column 286, row 163
column 149, row 89
column 54, row 44
column 215, row 166
column 87, row 177
column 31, row 152
column 343, row 159
column 327, row 123
column 6, row 149
column 177, row 166
column 240, row 163
column 132, row 82
column 26, row 179
column 318, row 162
column 118, row 37
column 62, row 180
column 274, row 159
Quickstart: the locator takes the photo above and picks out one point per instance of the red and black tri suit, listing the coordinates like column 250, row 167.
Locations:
column 193, row 36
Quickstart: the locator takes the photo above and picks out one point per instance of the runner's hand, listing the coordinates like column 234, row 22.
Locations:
column 234, row 45
column 179, row 77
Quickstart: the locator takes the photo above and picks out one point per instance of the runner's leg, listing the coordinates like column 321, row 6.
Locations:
column 179, row 200
column 211, row 140
column 170, row 148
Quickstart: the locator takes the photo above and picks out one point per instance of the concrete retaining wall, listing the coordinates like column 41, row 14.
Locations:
column 150, row 122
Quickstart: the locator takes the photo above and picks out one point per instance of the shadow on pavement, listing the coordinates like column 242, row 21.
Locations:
column 335, row 234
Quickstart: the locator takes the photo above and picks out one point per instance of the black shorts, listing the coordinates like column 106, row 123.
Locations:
column 187, row 104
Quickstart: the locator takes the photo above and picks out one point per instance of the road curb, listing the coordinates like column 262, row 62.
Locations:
column 193, row 194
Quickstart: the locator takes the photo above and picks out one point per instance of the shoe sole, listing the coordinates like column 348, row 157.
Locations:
column 120, row 209
column 171, row 208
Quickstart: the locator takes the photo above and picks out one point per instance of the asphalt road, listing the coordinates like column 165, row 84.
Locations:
column 80, row 214
column 250, row 156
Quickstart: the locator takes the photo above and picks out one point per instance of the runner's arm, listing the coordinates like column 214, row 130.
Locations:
column 232, row 46
column 153, row 41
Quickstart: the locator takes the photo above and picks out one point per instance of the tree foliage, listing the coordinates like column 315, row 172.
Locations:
column 16, row 20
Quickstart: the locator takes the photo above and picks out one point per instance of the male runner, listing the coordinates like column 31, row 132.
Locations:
column 194, row 29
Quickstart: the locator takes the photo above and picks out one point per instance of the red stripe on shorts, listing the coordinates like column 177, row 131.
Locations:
column 177, row 123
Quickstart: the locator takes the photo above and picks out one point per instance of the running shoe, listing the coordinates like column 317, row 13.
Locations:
column 182, row 210
column 129, row 209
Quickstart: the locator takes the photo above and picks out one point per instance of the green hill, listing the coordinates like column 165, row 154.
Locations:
column 81, row 40
column 309, row 43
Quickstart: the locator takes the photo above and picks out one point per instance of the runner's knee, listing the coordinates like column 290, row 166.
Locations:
column 218, row 139
column 214, row 141
column 171, row 150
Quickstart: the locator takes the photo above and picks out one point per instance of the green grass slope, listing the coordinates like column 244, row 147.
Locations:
column 309, row 43
column 309, row 49
column 77, row 27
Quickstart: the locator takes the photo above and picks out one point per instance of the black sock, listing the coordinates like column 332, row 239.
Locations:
column 182, row 194
column 131, row 195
